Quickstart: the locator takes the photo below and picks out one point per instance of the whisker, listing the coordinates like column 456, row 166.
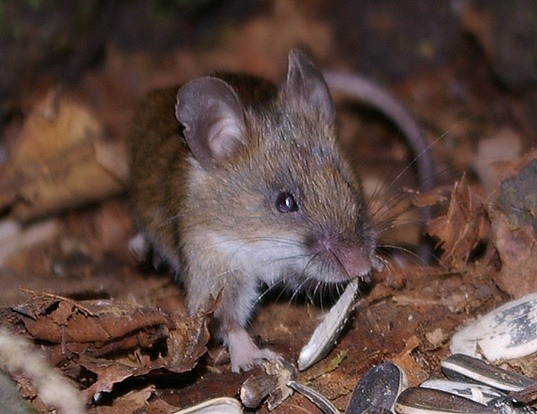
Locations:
column 390, row 215
column 388, row 203
column 316, row 291
column 415, row 257
column 394, row 224
column 384, row 212
column 297, row 291
column 254, row 239
column 396, row 220
column 303, row 276
column 268, row 290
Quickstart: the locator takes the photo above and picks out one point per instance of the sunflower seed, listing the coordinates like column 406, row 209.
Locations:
column 284, row 372
column 223, row 405
column 428, row 401
column 324, row 404
column 256, row 388
column 272, row 383
column 506, row 405
column 464, row 367
column 509, row 331
column 378, row 389
column 476, row 392
column 325, row 335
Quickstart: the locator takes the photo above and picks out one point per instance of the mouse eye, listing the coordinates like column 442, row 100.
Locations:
column 285, row 203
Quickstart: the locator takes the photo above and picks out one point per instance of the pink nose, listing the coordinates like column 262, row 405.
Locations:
column 353, row 258
column 355, row 262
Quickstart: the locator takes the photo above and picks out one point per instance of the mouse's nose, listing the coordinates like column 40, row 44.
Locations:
column 352, row 258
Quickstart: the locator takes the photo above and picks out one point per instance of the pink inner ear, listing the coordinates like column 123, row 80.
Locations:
column 213, row 117
column 225, row 135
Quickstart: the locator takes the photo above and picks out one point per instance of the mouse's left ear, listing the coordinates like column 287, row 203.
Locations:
column 306, row 88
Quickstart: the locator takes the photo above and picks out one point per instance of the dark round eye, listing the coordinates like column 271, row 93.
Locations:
column 285, row 203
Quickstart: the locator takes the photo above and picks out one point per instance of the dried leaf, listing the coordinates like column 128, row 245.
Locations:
column 108, row 373
column 186, row 343
column 462, row 227
column 60, row 160
column 80, row 334
column 429, row 198
column 65, row 321
column 95, row 324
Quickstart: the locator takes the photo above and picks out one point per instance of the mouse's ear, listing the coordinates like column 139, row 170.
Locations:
column 213, row 121
column 306, row 88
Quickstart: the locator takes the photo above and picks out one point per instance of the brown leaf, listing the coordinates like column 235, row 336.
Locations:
column 184, row 347
column 60, row 160
column 133, row 400
column 462, row 227
column 108, row 373
column 136, row 340
column 408, row 363
column 106, row 321
column 186, row 343
column 430, row 198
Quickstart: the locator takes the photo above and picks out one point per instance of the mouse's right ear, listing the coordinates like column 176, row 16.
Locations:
column 213, row 120
column 306, row 89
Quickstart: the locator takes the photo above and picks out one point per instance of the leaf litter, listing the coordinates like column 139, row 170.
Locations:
column 119, row 330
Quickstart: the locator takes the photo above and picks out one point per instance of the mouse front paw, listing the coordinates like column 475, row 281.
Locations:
column 244, row 353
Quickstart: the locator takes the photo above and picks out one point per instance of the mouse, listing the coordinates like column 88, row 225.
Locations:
column 238, row 183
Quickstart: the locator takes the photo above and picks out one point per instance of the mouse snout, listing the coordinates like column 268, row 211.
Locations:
column 351, row 260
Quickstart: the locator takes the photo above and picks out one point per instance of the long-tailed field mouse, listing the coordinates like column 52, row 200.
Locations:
column 239, row 183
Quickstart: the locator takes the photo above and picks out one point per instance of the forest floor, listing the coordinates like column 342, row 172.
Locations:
column 118, row 327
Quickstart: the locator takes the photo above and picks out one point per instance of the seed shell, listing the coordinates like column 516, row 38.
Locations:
column 325, row 335
column 507, row 332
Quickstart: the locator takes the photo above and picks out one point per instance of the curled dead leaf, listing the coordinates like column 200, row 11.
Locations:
column 60, row 160
column 464, row 225
column 103, row 343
